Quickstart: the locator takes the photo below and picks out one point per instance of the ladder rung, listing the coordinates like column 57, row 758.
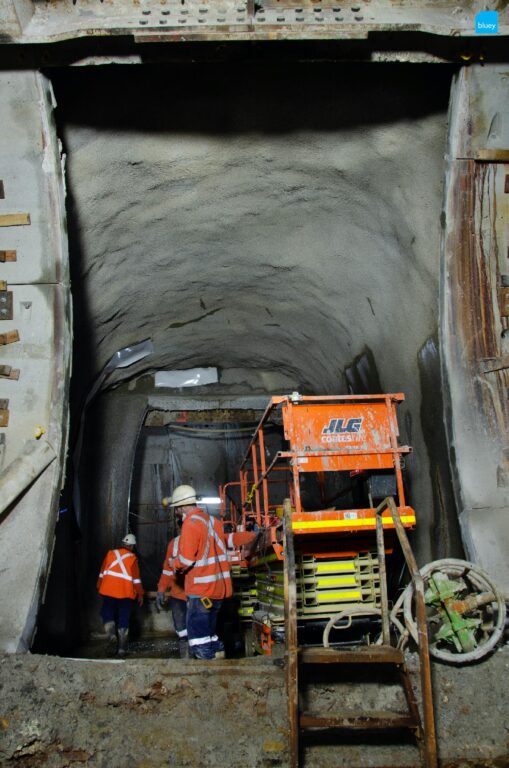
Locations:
column 373, row 654
column 358, row 720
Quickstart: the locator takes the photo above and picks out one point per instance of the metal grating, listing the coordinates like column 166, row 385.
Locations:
column 156, row 14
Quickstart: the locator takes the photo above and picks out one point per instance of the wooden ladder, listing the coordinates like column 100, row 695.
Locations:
column 382, row 655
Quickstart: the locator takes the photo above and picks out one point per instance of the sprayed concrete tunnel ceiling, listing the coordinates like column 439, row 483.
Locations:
column 277, row 229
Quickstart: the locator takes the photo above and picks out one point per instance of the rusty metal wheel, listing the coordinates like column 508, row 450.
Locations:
column 465, row 611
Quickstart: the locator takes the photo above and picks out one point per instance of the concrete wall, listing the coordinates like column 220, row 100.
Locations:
column 37, row 400
column 475, row 335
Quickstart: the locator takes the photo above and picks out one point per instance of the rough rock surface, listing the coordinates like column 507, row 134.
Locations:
column 151, row 713
column 282, row 227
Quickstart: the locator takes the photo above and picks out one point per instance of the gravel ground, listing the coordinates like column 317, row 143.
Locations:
column 149, row 713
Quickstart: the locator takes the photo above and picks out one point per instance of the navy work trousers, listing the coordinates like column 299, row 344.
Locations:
column 117, row 609
column 201, row 628
column 179, row 614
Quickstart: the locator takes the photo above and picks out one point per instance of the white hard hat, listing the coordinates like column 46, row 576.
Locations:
column 182, row 495
column 129, row 540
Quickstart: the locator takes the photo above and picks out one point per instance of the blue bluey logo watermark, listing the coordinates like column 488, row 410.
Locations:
column 486, row 23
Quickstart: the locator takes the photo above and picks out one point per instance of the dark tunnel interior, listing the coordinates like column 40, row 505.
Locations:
column 277, row 220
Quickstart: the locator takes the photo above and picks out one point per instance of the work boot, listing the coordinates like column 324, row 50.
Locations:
column 218, row 648
column 183, row 648
column 203, row 652
column 111, row 637
column 123, row 635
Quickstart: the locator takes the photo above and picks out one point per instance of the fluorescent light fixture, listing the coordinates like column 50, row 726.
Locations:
column 192, row 377
column 209, row 500
column 130, row 355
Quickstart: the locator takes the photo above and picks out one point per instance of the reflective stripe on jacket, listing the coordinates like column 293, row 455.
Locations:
column 202, row 555
column 120, row 575
column 169, row 579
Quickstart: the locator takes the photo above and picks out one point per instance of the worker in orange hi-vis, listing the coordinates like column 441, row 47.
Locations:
column 120, row 585
column 202, row 558
column 169, row 580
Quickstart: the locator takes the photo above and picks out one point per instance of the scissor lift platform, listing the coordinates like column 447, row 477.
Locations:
column 313, row 563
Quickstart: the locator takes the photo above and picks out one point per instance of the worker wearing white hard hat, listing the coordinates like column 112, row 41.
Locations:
column 182, row 496
column 120, row 585
column 202, row 558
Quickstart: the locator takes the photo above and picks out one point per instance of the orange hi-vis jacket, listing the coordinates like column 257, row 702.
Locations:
column 169, row 579
column 202, row 555
column 120, row 575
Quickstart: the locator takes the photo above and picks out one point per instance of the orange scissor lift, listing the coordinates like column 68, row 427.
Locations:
column 337, row 566
column 317, row 562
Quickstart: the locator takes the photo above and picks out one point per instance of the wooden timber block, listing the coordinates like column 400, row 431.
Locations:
column 4, row 413
column 14, row 219
column 9, row 338
column 8, row 256
column 504, row 302
column 493, row 155
column 6, row 372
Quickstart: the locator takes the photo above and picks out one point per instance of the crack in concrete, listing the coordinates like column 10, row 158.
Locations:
column 195, row 319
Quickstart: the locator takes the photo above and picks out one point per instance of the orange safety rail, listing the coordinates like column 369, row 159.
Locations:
column 228, row 509
column 350, row 433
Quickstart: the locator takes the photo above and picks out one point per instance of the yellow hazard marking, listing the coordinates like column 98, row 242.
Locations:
column 365, row 523
column 336, row 581
column 342, row 596
column 346, row 565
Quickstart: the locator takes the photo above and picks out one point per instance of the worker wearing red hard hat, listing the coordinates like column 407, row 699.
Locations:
column 120, row 585
column 202, row 558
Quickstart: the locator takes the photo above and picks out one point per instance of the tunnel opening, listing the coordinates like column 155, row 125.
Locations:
column 286, row 232
column 201, row 448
